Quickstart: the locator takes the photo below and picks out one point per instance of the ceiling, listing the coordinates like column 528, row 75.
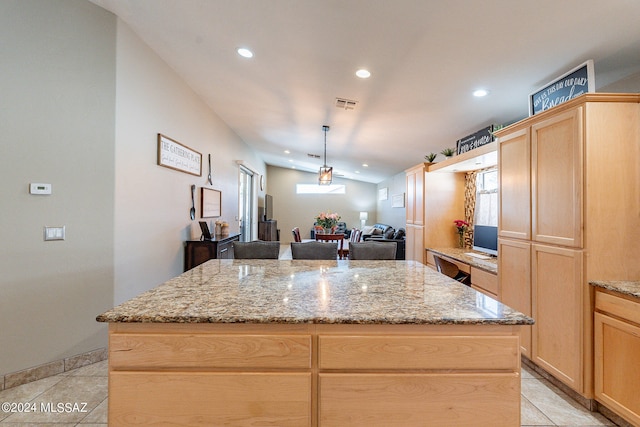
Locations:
column 426, row 57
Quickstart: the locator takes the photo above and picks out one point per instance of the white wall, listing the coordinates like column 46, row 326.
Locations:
column 57, row 108
column 152, row 202
column 395, row 217
column 299, row 210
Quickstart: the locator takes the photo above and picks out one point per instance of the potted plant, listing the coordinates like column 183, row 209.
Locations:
column 430, row 157
column 448, row 152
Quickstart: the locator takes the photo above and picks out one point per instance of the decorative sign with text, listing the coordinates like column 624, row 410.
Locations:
column 173, row 155
column 478, row 139
column 574, row 83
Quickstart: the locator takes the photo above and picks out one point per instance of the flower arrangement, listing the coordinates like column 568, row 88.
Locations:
column 327, row 220
column 461, row 226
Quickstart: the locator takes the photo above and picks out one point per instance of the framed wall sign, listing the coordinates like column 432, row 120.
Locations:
column 397, row 200
column 210, row 203
column 571, row 84
column 478, row 139
column 173, row 155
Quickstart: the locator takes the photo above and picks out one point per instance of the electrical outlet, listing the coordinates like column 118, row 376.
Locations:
column 36, row 188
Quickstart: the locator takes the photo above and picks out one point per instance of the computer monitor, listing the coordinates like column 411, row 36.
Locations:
column 485, row 239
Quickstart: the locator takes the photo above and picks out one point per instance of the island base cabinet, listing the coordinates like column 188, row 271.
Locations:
column 617, row 355
column 209, row 399
column 419, row 399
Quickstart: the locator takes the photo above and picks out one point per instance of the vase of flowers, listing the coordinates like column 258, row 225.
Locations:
column 327, row 221
column 461, row 226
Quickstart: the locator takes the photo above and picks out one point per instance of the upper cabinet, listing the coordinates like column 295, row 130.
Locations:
column 556, row 179
column 514, row 153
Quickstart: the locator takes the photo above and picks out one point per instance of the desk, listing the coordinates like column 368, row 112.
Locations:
column 313, row 343
column 484, row 273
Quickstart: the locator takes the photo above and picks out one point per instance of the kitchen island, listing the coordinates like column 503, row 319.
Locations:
column 313, row 343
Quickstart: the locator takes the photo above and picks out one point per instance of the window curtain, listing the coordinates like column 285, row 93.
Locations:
column 469, row 205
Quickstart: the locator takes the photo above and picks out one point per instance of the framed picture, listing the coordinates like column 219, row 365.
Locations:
column 210, row 203
column 173, row 155
column 573, row 83
column 383, row 193
column 397, row 200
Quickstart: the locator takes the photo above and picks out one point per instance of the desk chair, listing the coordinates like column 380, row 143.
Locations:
column 314, row 250
column 372, row 250
column 450, row 269
column 256, row 250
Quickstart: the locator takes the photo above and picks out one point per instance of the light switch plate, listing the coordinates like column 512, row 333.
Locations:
column 54, row 233
column 37, row 188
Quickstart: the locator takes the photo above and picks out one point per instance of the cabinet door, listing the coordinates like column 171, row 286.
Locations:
column 415, row 196
column 557, row 297
column 414, row 243
column 617, row 366
column 514, row 276
column 198, row 252
column 557, row 176
column 514, row 159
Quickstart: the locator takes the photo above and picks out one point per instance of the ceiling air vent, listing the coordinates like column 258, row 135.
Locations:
column 313, row 156
column 346, row 104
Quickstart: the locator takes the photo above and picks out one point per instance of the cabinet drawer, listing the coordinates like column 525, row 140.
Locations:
column 621, row 307
column 417, row 352
column 209, row 399
column 484, row 280
column 153, row 351
column 430, row 261
column 366, row 400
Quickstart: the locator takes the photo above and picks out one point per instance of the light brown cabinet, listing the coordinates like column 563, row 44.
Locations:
column 415, row 213
column 617, row 354
column 568, row 196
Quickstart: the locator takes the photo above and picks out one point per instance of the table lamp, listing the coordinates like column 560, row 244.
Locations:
column 363, row 218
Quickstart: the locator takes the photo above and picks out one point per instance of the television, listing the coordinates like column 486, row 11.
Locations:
column 485, row 239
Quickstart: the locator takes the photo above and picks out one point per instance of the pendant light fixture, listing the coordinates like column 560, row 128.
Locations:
column 326, row 172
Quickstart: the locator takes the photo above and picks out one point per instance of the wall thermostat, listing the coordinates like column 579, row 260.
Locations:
column 35, row 188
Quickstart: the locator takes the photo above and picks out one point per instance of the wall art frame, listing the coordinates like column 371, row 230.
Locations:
column 177, row 156
column 210, row 203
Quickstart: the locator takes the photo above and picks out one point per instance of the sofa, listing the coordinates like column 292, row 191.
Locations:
column 387, row 233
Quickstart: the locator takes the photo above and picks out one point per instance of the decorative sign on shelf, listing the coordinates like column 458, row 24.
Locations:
column 571, row 84
column 173, row 155
column 478, row 139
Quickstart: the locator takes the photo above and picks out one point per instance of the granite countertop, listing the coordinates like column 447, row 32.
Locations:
column 299, row 291
column 490, row 265
column 626, row 287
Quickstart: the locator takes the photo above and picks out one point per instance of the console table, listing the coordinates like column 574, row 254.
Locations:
column 198, row 251
column 484, row 272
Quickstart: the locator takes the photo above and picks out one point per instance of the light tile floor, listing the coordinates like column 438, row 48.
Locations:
column 542, row 403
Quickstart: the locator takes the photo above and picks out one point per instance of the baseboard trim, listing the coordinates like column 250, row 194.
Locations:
column 50, row 369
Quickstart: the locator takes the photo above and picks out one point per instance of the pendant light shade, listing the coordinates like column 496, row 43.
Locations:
column 326, row 172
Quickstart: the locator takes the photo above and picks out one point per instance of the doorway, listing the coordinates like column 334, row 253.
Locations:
column 247, row 199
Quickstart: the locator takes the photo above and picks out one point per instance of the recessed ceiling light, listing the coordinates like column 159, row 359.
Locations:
column 244, row 52
column 480, row 93
column 363, row 74
column 357, row 171
column 287, row 151
column 364, row 165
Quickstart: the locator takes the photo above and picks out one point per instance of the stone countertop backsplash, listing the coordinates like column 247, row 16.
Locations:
column 626, row 287
column 327, row 292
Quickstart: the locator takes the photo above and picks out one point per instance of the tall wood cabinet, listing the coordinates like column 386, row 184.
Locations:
column 569, row 197
column 414, row 245
column 434, row 201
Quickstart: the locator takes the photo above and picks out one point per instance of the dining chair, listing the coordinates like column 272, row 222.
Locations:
column 256, row 250
column 296, row 234
column 372, row 250
column 314, row 250
column 337, row 238
column 450, row 269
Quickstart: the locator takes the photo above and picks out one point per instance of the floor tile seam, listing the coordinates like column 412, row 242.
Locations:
column 553, row 423
column 91, row 411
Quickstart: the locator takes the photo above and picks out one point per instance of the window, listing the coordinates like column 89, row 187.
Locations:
column 487, row 198
column 320, row 189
